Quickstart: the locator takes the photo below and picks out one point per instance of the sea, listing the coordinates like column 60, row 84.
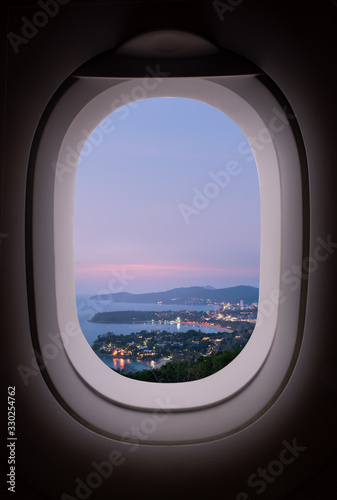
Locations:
column 86, row 308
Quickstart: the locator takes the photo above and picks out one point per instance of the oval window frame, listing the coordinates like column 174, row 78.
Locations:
column 242, row 99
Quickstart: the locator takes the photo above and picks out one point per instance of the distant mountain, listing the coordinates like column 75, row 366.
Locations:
column 186, row 295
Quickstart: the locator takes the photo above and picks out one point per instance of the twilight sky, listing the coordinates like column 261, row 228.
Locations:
column 164, row 199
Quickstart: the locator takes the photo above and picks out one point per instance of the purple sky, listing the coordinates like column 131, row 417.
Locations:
column 140, row 222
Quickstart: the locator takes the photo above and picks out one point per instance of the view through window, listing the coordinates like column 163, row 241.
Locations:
column 167, row 240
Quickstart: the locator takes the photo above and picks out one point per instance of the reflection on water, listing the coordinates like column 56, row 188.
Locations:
column 119, row 364
column 127, row 364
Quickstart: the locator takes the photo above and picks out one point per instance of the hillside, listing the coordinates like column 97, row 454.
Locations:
column 185, row 371
column 186, row 295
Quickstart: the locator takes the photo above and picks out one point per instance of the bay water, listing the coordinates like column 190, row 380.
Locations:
column 87, row 308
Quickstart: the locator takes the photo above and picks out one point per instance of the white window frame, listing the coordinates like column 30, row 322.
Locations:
column 258, row 372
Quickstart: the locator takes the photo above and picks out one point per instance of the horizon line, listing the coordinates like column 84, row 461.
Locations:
column 107, row 292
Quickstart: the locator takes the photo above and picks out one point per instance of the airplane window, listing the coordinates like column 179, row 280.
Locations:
column 161, row 195
column 167, row 240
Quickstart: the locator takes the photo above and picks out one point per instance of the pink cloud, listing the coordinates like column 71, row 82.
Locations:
column 164, row 268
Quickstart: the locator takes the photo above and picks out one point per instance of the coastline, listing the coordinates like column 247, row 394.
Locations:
column 169, row 323
column 158, row 363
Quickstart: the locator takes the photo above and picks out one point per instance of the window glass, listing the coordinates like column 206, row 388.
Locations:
column 167, row 240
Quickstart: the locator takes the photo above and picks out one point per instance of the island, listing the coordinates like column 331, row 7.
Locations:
column 230, row 317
